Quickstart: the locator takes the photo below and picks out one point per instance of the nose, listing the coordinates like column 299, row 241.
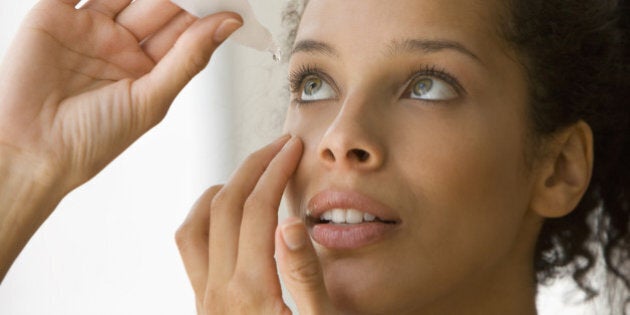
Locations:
column 352, row 142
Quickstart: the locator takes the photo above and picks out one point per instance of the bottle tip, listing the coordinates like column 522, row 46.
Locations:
column 276, row 54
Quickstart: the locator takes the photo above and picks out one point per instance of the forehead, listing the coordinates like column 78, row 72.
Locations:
column 358, row 24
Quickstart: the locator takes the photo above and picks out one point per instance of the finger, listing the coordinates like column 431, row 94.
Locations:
column 300, row 268
column 260, row 213
column 153, row 93
column 161, row 42
column 227, row 211
column 73, row 3
column 144, row 17
column 192, row 241
column 110, row 8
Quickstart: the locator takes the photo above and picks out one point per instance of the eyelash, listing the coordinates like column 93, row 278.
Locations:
column 296, row 77
column 435, row 72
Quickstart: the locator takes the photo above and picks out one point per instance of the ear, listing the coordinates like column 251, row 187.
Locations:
column 563, row 175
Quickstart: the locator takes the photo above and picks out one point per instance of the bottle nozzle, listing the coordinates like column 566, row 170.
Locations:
column 252, row 34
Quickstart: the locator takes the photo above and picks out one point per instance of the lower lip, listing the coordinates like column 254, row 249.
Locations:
column 350, row 236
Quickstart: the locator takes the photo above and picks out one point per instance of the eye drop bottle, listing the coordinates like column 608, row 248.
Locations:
column 252, row 34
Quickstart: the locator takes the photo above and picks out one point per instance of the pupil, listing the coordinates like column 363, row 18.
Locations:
column 423, row 86
column 312, row 86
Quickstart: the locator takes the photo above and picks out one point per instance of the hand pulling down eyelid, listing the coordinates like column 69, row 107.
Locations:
column 252, row 34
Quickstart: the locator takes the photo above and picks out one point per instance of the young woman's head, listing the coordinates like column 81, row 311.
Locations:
column 449, row 147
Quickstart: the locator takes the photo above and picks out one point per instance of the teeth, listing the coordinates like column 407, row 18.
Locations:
column 327, row 216
column 347, row 216
column 354, row 216
column 368, row 217
column 339, row 216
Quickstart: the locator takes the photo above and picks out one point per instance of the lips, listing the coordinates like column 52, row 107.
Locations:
column 348, row 219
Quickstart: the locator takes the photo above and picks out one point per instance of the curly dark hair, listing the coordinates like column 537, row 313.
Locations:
column 578, row 63
column 577, row 58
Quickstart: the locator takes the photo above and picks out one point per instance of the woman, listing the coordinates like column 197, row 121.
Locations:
column 443, row 154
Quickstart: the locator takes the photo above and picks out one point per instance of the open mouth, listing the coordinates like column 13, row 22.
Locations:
column 344, row 229
column 348, row 217
column 335, row 221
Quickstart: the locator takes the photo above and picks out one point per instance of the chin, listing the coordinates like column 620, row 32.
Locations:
column 359, row 285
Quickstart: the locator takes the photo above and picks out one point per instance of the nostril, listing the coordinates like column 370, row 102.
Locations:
column 361, row 155
column 328, row 155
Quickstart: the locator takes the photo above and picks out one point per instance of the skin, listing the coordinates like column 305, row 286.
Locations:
column 105, row 74
column 453, row 170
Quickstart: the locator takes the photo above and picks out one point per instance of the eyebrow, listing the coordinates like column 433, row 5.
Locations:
column 313, row 46
column 396, row 47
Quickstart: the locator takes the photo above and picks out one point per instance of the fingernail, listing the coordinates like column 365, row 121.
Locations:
column 226, row 28
column 294, row 234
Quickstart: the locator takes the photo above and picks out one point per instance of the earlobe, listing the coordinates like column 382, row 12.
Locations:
column 564, row 174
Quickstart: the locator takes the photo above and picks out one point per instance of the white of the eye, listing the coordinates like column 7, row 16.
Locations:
column 440, row 91
column 324, row 92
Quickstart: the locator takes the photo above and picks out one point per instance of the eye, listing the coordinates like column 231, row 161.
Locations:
column 315, row 89
column 431, row 89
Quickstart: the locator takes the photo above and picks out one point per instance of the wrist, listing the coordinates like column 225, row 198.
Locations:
column 28, row 195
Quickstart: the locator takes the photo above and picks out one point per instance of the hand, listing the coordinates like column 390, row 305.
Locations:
column 227, row 242
column 78, row 86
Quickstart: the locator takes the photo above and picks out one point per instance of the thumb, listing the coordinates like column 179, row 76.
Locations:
column 300, row 268
column 153, row 93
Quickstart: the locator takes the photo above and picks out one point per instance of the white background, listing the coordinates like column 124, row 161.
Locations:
column 108, row 248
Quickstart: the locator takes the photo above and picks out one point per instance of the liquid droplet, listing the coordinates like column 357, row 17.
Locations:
column 277, row 55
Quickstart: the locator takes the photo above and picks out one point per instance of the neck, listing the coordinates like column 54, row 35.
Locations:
column 502, row 293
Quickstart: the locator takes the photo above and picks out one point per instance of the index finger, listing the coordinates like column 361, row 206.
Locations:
column 260, row 215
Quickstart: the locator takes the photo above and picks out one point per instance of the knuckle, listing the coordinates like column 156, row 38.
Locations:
column 210, row 192
column 252, row 201
column 306, row 271
column 252, row 157
column 205, row 200
column 212, row 302
column 246, row 294
column 241, row 292
column 183, row 236
column 257, row 159
column 253, row 162
column 258, row 154
column 220, row 200
column 196, row 61
column 214, row 190
column 188, row 19
column 255, row 201
column 240, row 281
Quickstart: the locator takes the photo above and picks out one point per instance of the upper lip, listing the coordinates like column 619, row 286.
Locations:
column 332, row 199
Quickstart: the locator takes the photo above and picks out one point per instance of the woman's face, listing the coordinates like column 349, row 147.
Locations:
column 412, row 113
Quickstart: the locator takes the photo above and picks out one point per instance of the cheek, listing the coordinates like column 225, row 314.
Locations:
column 307, row 123
column 469, row 192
